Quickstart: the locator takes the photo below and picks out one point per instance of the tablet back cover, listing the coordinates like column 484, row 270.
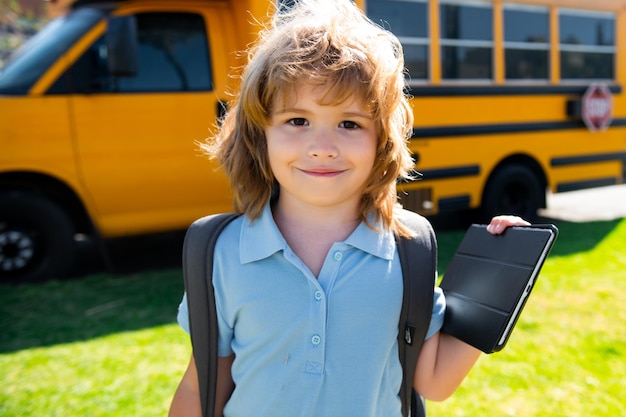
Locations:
column 488, row 281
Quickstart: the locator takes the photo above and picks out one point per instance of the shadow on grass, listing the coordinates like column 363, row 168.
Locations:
column 140, row 287
column 142, row 292
column 580, row 237
column 127, row 255
column 147, row 288
column 45, row 314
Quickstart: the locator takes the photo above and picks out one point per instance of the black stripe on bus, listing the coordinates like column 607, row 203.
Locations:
column 582, row 185
column 501, row 90
column 475, row 130
column 587, row 159
column 453, row 204
column 618, row 122
column 447, row 173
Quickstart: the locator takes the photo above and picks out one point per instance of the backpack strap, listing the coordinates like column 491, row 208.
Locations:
column 198, row 248
column 418, row 257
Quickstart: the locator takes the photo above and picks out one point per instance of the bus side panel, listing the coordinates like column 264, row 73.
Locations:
column 458, row 167
column 35, row 137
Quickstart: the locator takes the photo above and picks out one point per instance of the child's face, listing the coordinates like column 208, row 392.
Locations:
column 321, row 155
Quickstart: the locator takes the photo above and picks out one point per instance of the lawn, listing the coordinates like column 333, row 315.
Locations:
column 108, row 346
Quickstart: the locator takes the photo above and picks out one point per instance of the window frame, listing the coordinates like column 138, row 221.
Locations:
column 526, row 46
column 468, row 43
column 587, row 48
column 414, row 41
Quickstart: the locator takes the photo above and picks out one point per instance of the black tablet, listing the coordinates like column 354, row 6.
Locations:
column 489, row 280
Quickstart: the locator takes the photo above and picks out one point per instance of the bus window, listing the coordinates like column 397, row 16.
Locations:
column 587, row 44
column 173, row 54
column 526, row 42
column 408, row 20
column 466, row 40
column 32, row 59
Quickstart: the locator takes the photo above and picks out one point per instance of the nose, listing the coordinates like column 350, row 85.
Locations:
column 323, row 145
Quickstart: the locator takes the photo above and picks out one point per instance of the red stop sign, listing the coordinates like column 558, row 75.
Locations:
column 597, row 107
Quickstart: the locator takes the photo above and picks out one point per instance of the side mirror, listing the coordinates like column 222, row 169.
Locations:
column 122, row 46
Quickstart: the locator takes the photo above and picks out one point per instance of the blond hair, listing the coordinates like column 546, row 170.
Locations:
column 326, row 43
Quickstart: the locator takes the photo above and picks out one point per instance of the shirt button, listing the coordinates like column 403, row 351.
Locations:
column 318, row 295
column 337, row 256
column 316, row 339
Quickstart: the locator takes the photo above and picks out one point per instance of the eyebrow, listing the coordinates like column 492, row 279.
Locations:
column 345, row 114
column 359, row 114
column 289, row 110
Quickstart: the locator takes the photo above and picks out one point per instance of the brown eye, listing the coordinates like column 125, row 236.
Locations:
column 298, row 121
column 347, row 124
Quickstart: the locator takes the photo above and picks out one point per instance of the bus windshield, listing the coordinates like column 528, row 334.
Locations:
column 32, row 59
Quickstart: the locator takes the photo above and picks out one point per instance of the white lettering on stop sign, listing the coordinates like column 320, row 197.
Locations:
column 597, row 107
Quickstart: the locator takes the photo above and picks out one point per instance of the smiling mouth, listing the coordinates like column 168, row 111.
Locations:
column 322, row 172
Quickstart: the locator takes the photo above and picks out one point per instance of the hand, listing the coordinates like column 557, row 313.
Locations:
column 499, row 223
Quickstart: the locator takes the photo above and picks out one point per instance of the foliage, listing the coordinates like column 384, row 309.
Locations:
column 16, row 26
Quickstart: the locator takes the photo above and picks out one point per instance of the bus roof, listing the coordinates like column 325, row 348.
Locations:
column 57, row 8
column 613, row 5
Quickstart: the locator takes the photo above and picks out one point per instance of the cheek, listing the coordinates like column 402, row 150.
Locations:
column 277, row 157
column 369, row 152
column 369, row 157
column 281, row 146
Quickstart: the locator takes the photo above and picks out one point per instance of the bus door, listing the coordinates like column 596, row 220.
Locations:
column 137, row 136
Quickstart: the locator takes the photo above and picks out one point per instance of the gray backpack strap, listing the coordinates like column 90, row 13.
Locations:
column 197, row 272
column 418, row 257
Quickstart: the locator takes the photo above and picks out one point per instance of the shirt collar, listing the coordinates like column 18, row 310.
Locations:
column 261, row 238
column 381, row 244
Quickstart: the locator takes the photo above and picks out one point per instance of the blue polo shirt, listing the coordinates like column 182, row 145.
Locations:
column 305, row 346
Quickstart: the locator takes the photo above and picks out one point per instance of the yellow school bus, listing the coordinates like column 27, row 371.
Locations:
column 511, row 98
column 100, row 112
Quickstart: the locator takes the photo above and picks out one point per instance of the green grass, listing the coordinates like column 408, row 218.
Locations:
column 567, row 354
column 108, row 345
column 100, row 346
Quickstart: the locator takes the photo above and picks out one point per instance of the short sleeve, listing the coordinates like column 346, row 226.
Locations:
column 439, row 310
column 225, row 333
column 183, row 314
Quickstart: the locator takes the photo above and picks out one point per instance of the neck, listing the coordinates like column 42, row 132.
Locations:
column 311, row 231
column 334, row 220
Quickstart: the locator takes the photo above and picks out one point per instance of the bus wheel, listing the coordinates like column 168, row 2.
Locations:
column 36, row 239
column 513, row 189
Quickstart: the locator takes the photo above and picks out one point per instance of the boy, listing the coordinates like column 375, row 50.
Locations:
column 308, row 284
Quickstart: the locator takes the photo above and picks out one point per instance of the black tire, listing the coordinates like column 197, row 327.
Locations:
column 513, row 189
column 36, row 239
